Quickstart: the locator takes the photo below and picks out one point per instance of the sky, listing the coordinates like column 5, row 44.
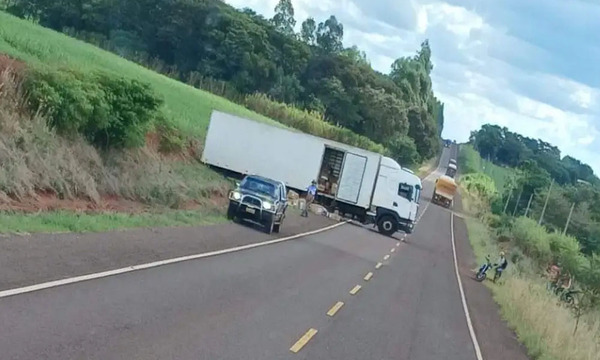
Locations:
column 531, row 66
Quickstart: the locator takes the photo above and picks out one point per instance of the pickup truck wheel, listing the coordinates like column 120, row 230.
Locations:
column 387, row 225
column 269, row 226
column 231, row 210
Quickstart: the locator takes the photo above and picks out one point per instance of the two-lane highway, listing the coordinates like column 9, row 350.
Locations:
column 269, row 302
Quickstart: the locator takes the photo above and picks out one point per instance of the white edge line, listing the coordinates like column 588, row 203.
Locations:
column 76, row 279
column 462, row 295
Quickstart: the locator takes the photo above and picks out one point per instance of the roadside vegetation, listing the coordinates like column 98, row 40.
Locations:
column 548, row 326
column 86, row 132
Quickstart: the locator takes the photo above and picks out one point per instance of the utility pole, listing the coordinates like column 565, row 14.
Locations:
column 518, row 201
column 545, row 203
column 507, row 200
column 569, row 219
column 528, row 204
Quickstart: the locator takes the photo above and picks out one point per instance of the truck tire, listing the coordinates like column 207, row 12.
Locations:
column 387, row 225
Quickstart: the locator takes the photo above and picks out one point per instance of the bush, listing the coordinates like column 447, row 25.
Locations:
column 108, row 111
column 479, row 185
column 310, row 123
column 532, row 239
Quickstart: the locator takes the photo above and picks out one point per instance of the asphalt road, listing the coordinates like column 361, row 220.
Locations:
column 255, row 304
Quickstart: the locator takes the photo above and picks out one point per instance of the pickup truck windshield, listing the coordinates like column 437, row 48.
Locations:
column 259, row 186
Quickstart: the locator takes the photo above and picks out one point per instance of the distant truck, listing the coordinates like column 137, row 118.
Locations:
column 451, row 170
column 361, row 184
column 444, row 191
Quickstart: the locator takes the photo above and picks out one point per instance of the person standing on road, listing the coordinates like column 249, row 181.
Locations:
column 311, row 193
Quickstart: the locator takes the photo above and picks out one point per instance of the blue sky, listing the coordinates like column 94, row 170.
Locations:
column 532, row 66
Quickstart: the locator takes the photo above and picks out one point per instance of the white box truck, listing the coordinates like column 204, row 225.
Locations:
column 365, row 185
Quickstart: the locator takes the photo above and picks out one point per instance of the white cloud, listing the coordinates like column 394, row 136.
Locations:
column 487, row 68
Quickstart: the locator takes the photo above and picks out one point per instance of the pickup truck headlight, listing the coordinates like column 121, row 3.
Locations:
column 267, row 205
column 236, row 195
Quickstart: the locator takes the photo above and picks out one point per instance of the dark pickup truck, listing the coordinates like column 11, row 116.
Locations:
column 259, row 200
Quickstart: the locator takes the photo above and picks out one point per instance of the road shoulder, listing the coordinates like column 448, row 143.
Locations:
column 496, row 339
column 32, row 259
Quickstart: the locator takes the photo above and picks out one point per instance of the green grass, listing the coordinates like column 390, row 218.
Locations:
column 188, row 108
column 540, row 322
column 470, row 162
column 63, row 221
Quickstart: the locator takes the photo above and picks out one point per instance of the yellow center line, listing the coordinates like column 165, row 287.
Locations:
column 393, row 249
column 303, row 340
column 378, row 265
column 335, row 308
column 386, row 257
column 355, row 290
column 368, row 276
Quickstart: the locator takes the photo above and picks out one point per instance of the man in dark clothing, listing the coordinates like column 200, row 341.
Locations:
column 500, row 266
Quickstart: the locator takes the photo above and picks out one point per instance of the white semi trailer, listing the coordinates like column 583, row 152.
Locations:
column 365, row 185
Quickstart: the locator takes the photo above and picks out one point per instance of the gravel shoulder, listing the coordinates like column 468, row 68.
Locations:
column 32, row 259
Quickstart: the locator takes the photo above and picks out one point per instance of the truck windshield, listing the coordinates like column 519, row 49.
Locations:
column 259, row 186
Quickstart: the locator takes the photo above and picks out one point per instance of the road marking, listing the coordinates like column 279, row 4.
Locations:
column 335, row 308
column 378, row 265
column 386, row 257
column 398, row 244
column 463, row 297
column 368, row 276
column 303, row 340
column 393, row 249
column 355, row 290
column 76, row 279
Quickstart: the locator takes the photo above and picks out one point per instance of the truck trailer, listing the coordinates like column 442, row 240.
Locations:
column 364, row 185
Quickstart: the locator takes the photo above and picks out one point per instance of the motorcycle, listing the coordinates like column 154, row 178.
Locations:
column 482, row 273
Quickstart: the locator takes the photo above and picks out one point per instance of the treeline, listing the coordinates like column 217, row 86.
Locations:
column 561, row 191
column 503, row 147
column 206, row 42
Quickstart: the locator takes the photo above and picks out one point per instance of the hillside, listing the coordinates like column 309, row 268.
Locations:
column 187, row 107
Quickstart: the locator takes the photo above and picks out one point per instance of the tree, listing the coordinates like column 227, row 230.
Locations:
column 356, row 55
column 308, row 31
column 403, row 149
column 284, row 17
column 330, row 35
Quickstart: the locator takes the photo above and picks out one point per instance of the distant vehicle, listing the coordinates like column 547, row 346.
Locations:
column 444, row 191
column 447, row 143
column 260, row 200
column 451, row 170
column 358, row 183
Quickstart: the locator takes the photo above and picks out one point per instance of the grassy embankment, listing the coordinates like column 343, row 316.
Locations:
column 45, row 163
column 542, row 323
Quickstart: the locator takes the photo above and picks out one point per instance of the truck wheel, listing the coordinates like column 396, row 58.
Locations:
column 387, row 225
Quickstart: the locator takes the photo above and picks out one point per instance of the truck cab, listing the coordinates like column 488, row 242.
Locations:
column 396, row 198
